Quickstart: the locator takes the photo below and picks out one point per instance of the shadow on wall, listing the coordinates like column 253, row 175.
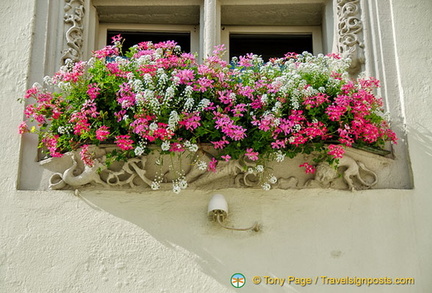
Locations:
column 420, row 149
column 180, row 222
column 422, row 137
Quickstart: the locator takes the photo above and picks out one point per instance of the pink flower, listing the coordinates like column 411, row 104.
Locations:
column 124, row 142
column 226, row 97
column 226, row 157
column 86, row 156
column 81, row 124
column 176, row 147
column 102, row 133
column 309, row 169
column 337, row 151
column 334, row 55
column 220, row 144
column 125, row 96
column 105, row 52
column 278, row 144
column 93, row 91
column 212, row 165
column 23, row 128
column 251, row 155
column 203, row 84
column 191, row 121
column 50, row 143
column 315, row 101
column 185, row 75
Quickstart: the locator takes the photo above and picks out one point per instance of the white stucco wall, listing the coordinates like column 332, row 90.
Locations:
column 52, row 241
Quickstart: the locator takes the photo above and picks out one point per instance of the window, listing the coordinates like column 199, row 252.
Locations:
column 132, row 38
column 268, row 45
column 185, row 35
column 271, row 41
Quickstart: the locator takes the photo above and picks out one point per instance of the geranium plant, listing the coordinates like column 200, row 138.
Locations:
column 247, row 109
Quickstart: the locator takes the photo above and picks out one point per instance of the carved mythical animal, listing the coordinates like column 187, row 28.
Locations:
column 325, row 173
column 88, row 175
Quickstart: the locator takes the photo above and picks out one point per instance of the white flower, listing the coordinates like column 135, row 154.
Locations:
column 169, row 93
column 130, row 76
column 266, row 186
column 280, row 157
column 137, row 85
column 148, row 78
column 155, row 185
column 91, row 62
column 48, row 80
column 203, row 104
column 148, row 94
column 176, row 80
column 65, row 86
column 272, row 179
column 202, row 165
column 250, row 170
column 193, row 148
column 173, row 120
column 139, row 150
column 259, row 168
column 176, row 188
column 188, row 91
column 63, row 129
column 188, row 104
column 182, row 184
column 165, row 146
column 153, row 126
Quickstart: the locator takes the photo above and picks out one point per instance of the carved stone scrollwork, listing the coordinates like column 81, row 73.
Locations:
column 74, row 30
column 144, row 172
column 350, row 33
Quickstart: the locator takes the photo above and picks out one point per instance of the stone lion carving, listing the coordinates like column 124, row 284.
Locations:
column 326, row 174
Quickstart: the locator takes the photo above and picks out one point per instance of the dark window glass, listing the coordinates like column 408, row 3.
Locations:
column 133, row 38
column 269, row 45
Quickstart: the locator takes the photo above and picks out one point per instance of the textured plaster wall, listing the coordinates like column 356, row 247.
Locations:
column 160, row 242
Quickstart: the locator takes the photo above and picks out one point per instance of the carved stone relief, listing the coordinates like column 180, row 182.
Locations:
column 74, row 30
column 140, row 173
column 350, row 33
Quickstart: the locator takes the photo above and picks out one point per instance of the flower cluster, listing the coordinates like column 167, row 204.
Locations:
column 247, row 109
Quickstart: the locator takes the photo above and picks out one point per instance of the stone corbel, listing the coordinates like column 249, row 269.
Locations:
column 349, row 29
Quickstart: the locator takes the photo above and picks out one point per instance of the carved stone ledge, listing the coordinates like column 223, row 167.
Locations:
column 357, row 170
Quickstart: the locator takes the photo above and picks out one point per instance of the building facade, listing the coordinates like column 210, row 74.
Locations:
column 118, row 241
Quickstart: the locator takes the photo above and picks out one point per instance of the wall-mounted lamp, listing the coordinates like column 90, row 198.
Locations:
column 218, row 211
